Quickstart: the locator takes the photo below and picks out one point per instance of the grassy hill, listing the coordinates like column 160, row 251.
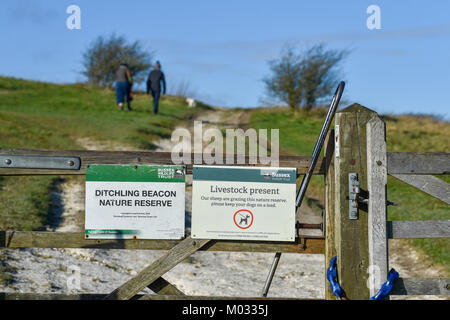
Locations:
column 406, row 133
column 48, row 116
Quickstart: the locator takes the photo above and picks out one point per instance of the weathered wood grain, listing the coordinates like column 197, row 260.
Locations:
column 351, row 236
column 158, row 268
column 162, row 286
column 418, row 229
column 37, row 239
column 428, row 184
column 137, row 157
column 377, row 215
column 418, row 162
column 421, row 286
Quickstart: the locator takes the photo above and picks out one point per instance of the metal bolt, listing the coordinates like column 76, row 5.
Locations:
column 8, row 161
column 70, row 163
column 379, row 162
column 194, row 243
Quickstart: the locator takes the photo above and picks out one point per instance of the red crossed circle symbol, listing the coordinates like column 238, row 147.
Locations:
column 242, row 215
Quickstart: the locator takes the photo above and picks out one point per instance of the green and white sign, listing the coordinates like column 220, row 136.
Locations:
column 243, row 203
column 135, row 201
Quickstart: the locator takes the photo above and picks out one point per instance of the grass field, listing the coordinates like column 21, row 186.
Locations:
column 406, row 133
column 48, row 116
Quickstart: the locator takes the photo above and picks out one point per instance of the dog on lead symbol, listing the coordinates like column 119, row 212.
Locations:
column 244, row 219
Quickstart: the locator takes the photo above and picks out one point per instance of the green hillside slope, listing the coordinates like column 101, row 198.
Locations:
column 48, row 116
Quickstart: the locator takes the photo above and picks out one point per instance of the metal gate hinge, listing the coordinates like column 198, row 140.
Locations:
column 40, row 162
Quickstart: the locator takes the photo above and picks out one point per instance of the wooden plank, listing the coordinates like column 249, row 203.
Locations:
column 419, row 163
column 398, row 162
column 158, row 268
column 37, row 239
column 162, row 286
column 330, row 249
column 428, row 184
column 402, row 286
column 351, row 236
column 100, row 296
column 136, row 157
column 377, row 216
column 418, row 229
column 421, row 286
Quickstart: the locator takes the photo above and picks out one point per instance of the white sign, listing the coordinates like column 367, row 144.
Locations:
column 243, row 203
column 135, row 202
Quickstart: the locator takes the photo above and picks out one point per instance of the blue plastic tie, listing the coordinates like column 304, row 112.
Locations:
column 386, row 288
column 384, row 291
column 332, row 278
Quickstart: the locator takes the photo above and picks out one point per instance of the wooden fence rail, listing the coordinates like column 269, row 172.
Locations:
column 36, row 239
column 397, row 162
column 402, row 287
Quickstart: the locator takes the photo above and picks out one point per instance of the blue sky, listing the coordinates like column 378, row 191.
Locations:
column 222, row 47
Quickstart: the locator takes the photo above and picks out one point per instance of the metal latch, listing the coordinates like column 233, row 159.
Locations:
column 40, row 162
column 353, row 191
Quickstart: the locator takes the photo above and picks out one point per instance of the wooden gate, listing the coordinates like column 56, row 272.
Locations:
column 359, row 146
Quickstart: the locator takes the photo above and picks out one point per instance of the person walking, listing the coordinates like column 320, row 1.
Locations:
column 124, row 81
column 154, row 80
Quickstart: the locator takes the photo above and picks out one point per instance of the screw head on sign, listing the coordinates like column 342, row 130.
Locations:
column 379, row 162
column 70, row 163
column 8, row 161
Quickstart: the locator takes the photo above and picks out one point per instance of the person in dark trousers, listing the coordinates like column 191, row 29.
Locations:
column 155, row 78
column 124, row 81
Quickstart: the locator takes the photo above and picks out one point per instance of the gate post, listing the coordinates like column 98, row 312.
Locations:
column 351, row 236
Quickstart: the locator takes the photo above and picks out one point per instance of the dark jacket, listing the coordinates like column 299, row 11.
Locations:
column 154, row 81
column 123, row 75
